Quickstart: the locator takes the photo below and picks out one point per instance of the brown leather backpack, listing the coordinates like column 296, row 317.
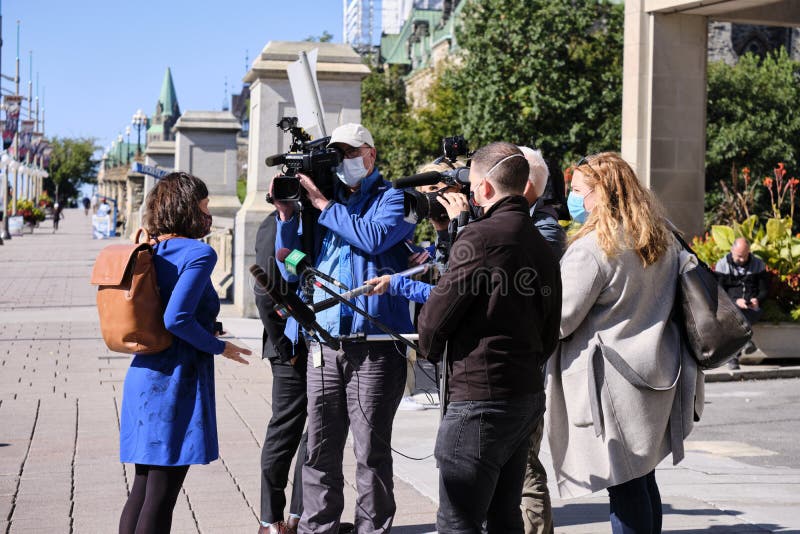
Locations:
column 128, row 300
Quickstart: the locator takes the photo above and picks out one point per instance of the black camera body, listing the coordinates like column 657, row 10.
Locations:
column 417, row 205
column 312, row 158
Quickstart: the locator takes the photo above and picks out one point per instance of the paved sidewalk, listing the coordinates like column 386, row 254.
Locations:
column 60, row 391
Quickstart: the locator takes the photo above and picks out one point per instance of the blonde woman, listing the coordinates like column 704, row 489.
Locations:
column 622, row 391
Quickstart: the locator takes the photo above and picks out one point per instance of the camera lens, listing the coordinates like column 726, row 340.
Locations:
column 286, row 189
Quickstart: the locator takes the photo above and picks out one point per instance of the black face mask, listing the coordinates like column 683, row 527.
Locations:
column 207, row 219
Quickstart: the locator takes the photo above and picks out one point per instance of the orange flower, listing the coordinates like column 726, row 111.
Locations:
column 793, row 182
column 768, row 183
column 780, row 171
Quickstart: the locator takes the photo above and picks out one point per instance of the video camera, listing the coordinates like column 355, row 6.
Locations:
column 418, row 205
column 312, row 158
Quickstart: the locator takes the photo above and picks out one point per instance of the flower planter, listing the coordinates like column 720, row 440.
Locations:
column 781, row 340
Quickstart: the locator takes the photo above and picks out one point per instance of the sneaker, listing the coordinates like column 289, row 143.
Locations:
column 409, row 404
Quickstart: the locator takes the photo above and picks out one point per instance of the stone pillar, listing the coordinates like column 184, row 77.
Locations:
column 135, row 197
column 205, row 146
column 664, row 108
column 339, row 74
column 159, row 154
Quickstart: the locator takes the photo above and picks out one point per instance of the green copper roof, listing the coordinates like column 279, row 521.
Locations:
column 405, row 48
column 168, row 98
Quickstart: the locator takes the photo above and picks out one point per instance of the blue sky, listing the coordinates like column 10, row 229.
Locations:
column 99, row 61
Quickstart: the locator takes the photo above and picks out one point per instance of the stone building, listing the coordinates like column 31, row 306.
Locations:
column 167, row 112
column 727, row 41
column 425, row 42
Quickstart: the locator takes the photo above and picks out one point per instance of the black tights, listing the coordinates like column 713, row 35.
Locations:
column 153, row 495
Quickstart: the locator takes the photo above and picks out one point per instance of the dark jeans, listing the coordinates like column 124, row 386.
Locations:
column 284, row 433
column 359, row 388
column 636, row 506
column 481, row 449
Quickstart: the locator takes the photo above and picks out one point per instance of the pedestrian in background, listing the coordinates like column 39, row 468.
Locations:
column 623, row 390
column 57, row 215
column 168, row 417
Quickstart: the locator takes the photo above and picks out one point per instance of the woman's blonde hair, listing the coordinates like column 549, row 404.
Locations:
column 626, row 214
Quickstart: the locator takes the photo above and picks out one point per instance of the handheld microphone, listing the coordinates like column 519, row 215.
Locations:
column 281, row 294
column 298, row 263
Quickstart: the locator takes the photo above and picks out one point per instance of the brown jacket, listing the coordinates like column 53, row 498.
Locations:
column 498, row 307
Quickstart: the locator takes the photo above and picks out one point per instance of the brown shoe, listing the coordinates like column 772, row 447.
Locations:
column 278, row 527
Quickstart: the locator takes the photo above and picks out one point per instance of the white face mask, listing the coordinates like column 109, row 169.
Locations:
column 351, row 171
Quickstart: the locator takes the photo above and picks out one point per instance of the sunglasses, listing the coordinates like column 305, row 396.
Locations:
column 585, row 161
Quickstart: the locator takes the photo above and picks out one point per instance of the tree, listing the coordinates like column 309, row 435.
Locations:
column 543, row 72
column 408, row 138
column 72, row 164
column 326, row 37
column 753, row 118
column 752, row 122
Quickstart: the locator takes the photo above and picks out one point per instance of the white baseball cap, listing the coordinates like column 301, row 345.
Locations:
column 352, row 134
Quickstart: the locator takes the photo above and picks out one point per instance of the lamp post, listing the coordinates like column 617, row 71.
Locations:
column 5, row 163
column 139, row 121
column 128, row 146
column 119, row 148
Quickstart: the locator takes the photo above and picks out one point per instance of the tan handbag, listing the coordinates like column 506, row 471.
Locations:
column 128, row 300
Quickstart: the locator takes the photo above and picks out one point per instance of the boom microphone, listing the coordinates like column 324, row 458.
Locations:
column 366, row 288
column 425, row 178
column 275, row 159
column 297, row 263
column 281, row 294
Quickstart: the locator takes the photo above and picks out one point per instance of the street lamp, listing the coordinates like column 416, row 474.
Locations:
column 139, row 122
column 119, row 148
column 128, row 146
column 5, row 162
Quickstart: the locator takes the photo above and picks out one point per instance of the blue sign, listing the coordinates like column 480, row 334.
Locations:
column 149, row 170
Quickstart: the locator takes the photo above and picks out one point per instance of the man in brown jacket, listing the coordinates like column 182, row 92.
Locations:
column 498, row 309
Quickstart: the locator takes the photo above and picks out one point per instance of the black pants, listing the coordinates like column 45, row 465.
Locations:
column 284, row 434
column 636, row 506
column 481, row 449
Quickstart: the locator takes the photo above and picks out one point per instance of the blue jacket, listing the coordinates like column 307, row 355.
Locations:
column 375, row 229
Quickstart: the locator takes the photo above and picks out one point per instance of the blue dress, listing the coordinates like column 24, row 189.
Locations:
column 168, row 414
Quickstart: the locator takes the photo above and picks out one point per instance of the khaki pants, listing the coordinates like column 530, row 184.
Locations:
column 537, row 513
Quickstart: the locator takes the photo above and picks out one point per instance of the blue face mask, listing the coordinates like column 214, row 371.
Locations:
column 576, row 207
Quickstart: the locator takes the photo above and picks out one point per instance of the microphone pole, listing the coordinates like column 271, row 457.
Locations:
column 342, row 300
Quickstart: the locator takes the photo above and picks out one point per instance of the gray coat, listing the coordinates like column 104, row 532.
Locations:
column 621, row 379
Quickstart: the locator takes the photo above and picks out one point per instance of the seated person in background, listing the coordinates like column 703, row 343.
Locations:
column 744, row 278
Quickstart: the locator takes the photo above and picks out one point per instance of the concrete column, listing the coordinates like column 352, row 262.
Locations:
column 205, row 146
column 159, row 154
column 134, row 195
column 339, row 73
column 664, row 108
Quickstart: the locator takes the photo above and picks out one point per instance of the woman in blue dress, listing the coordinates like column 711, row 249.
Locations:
column 168, row 417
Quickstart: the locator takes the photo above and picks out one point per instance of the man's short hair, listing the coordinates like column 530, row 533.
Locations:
column 508, row 166
column 539, row 172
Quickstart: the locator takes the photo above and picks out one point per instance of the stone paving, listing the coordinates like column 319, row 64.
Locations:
column 60, row 391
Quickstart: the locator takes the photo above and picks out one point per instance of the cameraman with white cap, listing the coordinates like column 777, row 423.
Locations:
column 359, row 235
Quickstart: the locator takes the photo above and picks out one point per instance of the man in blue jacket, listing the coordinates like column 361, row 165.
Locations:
column 359, row 235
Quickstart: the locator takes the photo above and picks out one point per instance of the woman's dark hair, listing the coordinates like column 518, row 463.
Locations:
column 173, row 206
